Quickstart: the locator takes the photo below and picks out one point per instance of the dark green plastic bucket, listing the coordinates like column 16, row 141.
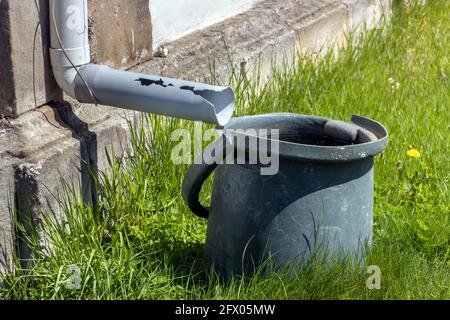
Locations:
column 320, row 200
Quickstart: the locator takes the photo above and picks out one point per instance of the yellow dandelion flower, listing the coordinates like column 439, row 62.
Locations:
column 413, row 153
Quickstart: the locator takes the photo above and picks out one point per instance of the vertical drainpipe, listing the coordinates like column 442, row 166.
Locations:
column 93, row 83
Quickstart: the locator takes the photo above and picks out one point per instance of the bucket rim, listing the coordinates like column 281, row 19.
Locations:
column 308, row 152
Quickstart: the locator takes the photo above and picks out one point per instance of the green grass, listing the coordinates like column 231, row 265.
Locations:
column 141, row 242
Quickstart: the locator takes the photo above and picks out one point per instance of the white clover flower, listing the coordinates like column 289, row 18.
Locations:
column 395, row 85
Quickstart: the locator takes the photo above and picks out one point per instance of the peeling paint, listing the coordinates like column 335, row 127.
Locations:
column 149, row 82
column 160, row 82
column 189, row 88
column 200, row 93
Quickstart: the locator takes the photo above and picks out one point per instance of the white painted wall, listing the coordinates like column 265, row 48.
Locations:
column 173, row 19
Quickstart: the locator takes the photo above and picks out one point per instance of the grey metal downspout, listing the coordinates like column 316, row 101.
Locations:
column 92, row 83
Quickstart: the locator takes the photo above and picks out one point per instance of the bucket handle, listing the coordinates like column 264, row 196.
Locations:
column 199, row 172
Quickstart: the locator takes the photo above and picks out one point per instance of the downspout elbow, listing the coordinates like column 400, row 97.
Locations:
column 65, row 78
column 69, row 41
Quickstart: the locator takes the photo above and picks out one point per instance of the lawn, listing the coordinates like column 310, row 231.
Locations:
column 141, row 242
